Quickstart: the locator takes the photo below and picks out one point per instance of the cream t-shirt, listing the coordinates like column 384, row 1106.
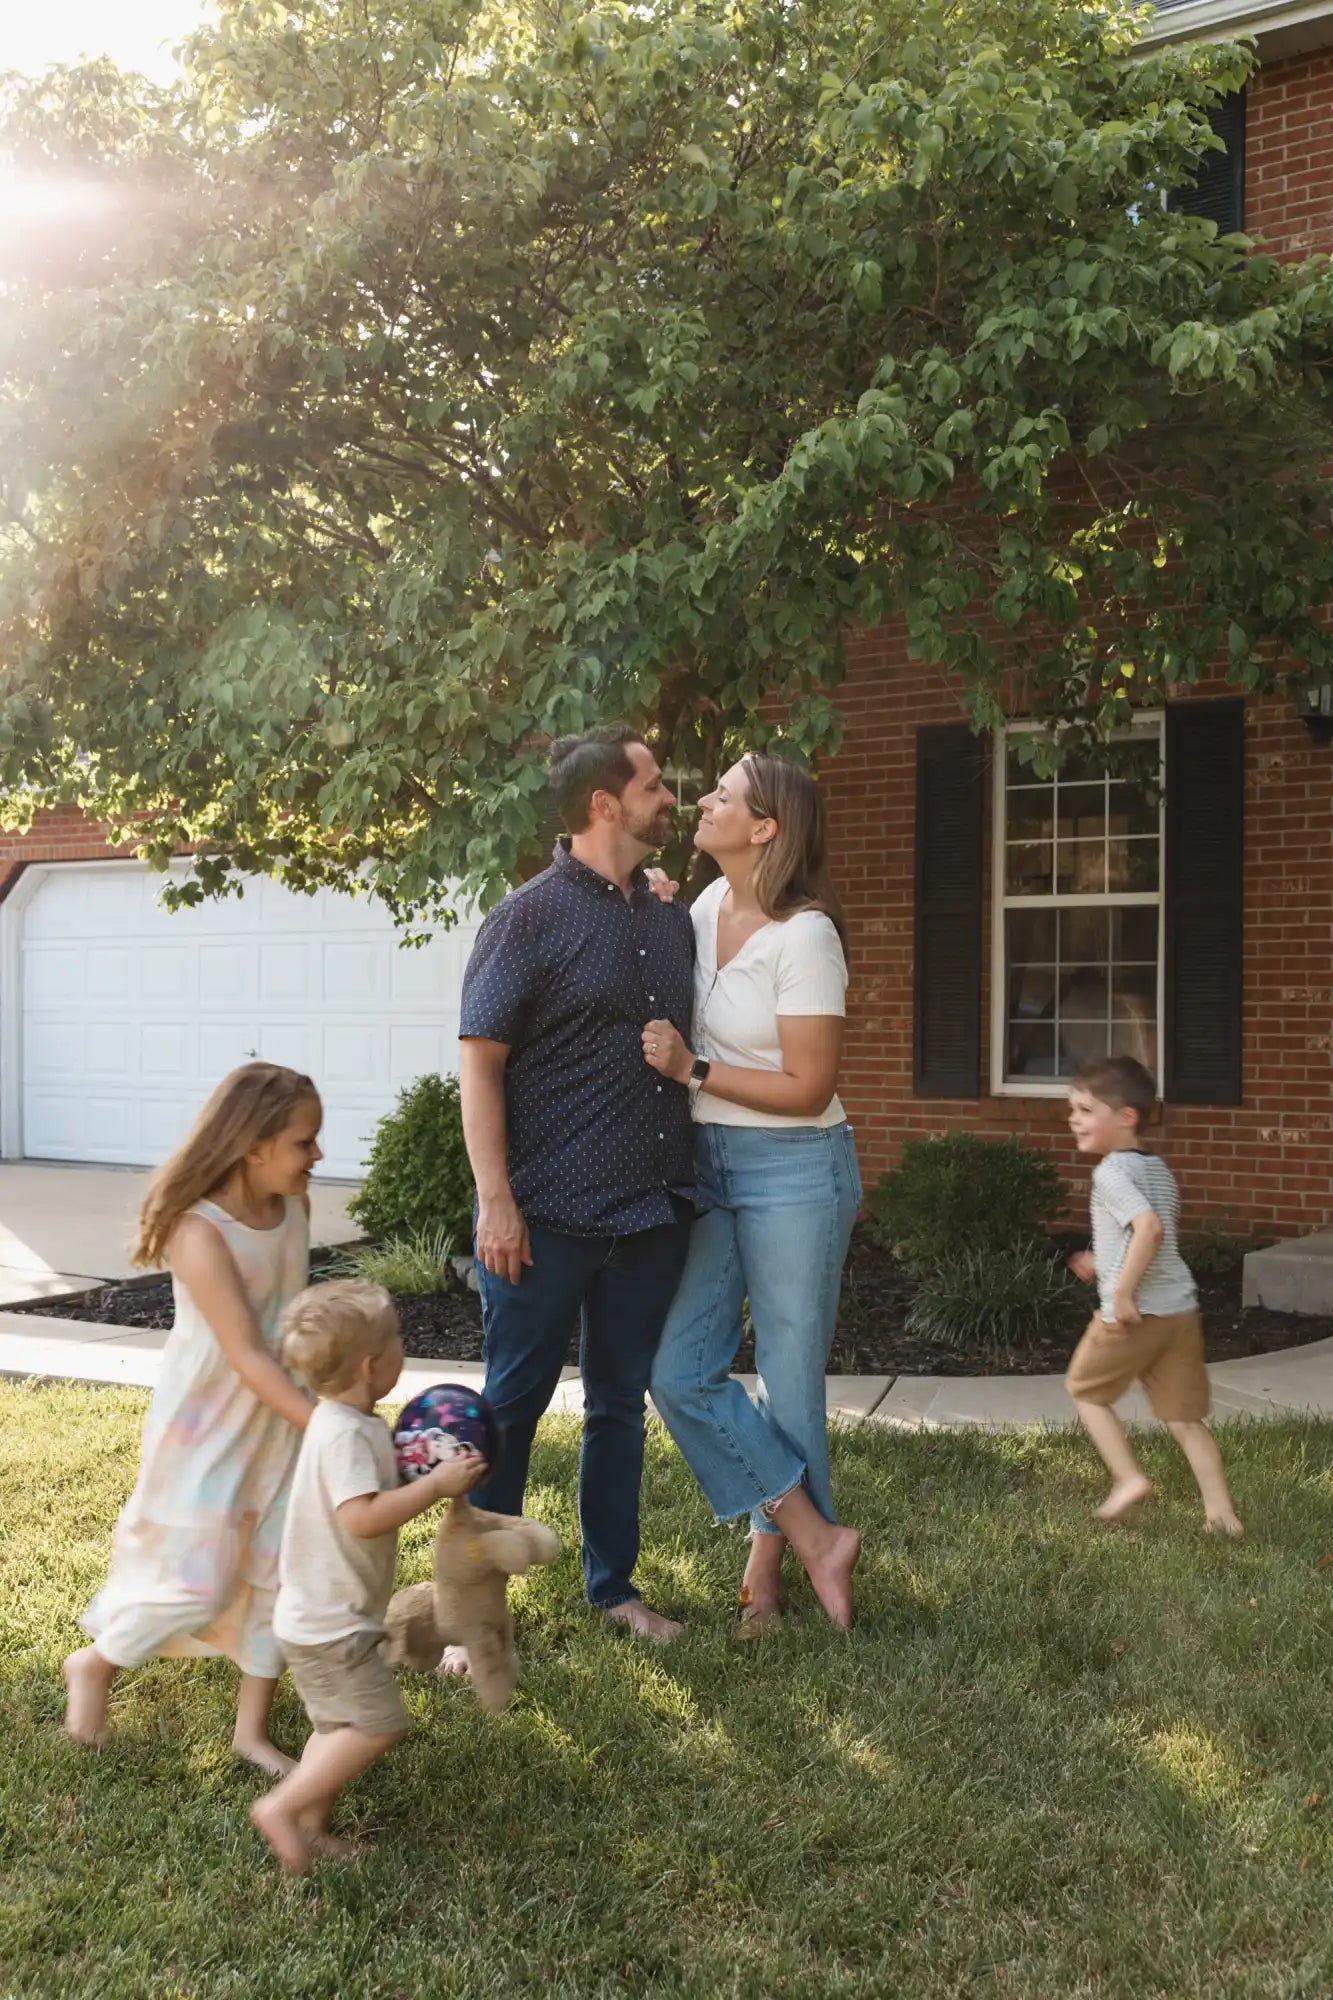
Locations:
column 795, row 966
column 332, row 1585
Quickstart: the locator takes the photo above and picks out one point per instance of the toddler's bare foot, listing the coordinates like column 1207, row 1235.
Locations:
column 635, row 1616
column 88, row 1679
column 283, row 1834
column 265, row 1756
column 330, row 1845
column 455, row 1661
column 830, row 1576
column 1126, row 1493
column 1227, row 1524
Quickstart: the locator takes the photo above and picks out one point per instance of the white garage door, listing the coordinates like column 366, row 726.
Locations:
column 131, row 1015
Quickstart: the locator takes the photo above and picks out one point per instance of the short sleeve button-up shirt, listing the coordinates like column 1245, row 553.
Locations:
column 566, row 971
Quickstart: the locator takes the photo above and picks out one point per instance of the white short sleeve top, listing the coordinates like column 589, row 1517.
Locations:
column 794, row 966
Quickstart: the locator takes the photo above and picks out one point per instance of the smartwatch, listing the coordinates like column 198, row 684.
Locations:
column 699, row 1069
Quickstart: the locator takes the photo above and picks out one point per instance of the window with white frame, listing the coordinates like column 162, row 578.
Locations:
column 1077, row 936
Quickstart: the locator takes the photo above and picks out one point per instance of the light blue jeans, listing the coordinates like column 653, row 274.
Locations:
column 781, row 1202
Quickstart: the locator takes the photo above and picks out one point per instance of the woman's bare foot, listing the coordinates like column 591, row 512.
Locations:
column 88, row 1679
column 1227, row 1524
column 265, row 1756
column 635, row 1616
column 284, row 1834
column 1126, row 1493
column 454, row 1661
column 830, row 1574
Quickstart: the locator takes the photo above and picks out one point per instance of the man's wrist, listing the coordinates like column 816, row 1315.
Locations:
column 487, row 1196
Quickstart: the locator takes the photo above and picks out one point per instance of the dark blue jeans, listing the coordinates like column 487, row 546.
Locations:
column 619, row 1288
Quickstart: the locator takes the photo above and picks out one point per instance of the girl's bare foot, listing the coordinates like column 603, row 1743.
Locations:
column 1227, row 1524
column 283, row 1834
column 635, row 1616
column 1126, row 1493
column 88, row 1678
column 265, row 1756
column 830, row 1575
column 455, row 1661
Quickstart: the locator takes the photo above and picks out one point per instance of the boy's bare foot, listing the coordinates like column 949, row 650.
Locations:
column 454, row 1661
column 635, row 1616
column 1227, row 1524
column 283, row 1834
column 265, row 1756
column 830, row 1576
column 1126, row 1493
column 320, row 1841
column 88, row 1679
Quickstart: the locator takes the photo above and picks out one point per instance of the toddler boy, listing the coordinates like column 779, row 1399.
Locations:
column 1147, row 1327
column 339, row 1548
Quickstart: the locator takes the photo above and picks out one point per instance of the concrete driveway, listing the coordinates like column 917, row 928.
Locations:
column 64, row 1228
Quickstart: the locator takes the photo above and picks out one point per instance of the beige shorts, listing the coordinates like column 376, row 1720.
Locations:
column 347, row 1684
column 1164, row 1352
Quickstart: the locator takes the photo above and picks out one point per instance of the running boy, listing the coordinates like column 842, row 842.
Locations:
column 339, row 1547
column 1147, row 1326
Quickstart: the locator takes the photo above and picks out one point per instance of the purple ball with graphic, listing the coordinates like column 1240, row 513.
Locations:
column 439, row 1424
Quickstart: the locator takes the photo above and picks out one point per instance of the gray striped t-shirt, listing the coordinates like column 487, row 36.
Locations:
column 1124, row 1185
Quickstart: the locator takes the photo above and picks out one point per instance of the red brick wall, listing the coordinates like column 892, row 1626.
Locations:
column 1267, row 1162
column 1289, row 155
column 57, row 836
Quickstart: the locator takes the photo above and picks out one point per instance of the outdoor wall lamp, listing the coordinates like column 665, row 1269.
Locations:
column 1316, row 709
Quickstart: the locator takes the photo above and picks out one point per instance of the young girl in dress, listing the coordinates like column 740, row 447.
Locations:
column 194, row 1564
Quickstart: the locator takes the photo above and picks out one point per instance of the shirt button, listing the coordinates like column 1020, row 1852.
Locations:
column 659, row 1090
column 642, row 952
column 661, row 1135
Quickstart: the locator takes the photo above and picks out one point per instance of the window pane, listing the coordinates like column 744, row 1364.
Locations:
column 1030, row 937
column 1031, row 993
column 1134, row 1012
column 1015, row 771
column 1028, row 868
column 1084, row 935
column 1137, row 1039
column 1031, row 1050
column 1081, row 812
column 1029, row 814
column 1132, row 865
column 1134, row 934
column 1080, row 867
column 1132, row 811
column 1082, row 767
column 1085, row 992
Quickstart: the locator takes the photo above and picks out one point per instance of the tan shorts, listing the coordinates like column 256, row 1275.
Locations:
column 1164, row 1352
column 347, row 1684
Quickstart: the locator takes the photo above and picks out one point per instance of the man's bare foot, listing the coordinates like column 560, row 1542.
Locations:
column 283, row 1834
column 88, row 1679
column 830, row 1575
column 454, row 1661
column 1126, row 1493
column 1227, row 1524
column 635, row 1616
column 265, row 1756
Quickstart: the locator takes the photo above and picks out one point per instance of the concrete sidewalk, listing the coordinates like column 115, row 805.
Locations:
column 1297, row 1382
column 64, row 1228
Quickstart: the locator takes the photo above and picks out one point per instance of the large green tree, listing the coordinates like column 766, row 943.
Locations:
column 430, row 380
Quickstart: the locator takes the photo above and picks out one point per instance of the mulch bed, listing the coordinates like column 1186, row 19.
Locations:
column 871, row 1337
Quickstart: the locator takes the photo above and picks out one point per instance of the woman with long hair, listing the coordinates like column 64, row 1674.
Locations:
column 778, row 1177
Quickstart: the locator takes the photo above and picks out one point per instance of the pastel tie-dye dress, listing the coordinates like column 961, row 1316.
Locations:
column 194, row 1563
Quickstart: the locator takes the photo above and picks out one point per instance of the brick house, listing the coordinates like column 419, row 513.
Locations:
column 1000, row 930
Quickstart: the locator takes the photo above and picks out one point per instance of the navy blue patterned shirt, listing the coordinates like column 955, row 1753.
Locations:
column 566, row 971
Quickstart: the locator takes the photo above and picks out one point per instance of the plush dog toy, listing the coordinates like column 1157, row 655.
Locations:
column 475, row 1555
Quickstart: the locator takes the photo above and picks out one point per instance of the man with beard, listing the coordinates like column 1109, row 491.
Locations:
column 581, row 1153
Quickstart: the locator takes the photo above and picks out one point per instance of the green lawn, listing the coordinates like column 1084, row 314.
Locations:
column 1052, row 1760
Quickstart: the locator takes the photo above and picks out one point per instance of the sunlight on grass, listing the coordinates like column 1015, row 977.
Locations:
column 1093, row 1763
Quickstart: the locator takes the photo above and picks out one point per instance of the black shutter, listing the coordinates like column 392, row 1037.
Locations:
column 946, row 970
column 1219, row 187
column 1205, row 874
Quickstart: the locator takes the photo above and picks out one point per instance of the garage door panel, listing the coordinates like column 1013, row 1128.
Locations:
column 132, row 1014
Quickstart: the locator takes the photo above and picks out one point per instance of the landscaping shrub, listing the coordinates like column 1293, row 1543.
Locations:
column 960, row 1193
column 995, row 1301
column 1215, row 1253
column 418, row 1183
column 416, row 1263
